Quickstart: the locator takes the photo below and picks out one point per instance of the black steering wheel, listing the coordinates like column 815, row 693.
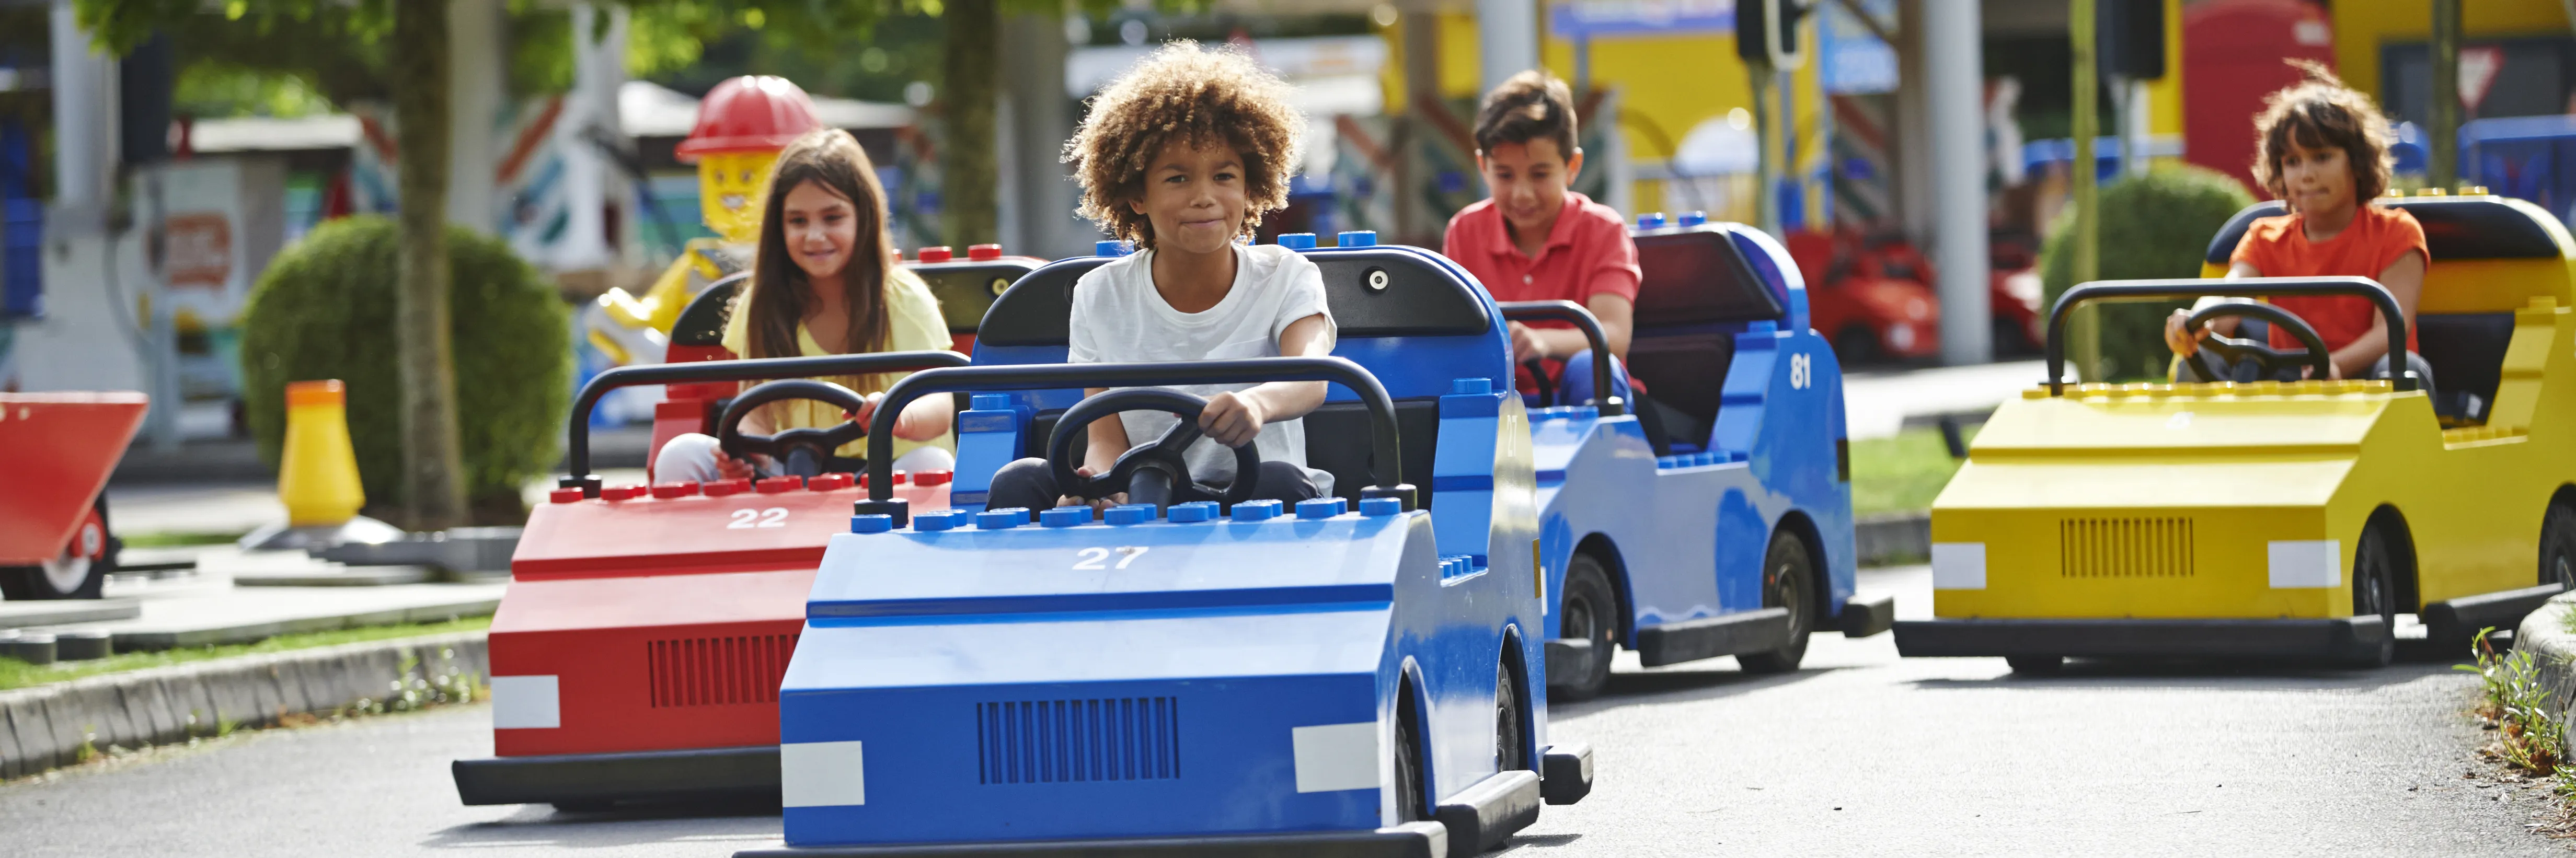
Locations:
column 1546, row 386
column 799, row 452
column 2220, row 357
column 1150, row 473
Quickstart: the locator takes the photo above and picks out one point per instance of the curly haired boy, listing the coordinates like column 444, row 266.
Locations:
column 1183, row 155
column 2323, row 151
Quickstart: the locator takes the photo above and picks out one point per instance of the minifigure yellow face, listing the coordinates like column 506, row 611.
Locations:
column 731, row 186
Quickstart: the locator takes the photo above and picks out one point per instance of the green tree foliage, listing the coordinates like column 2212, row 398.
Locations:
column 2153, row 226
column 325, row 309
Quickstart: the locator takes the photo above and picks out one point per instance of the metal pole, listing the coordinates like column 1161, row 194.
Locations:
column 1766, row 201
column 2442, row 155
column 1955, row 111
column 2085, row 172
column 1507, row 33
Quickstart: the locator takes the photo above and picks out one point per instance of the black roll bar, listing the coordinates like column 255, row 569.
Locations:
column 1610, row 404
column 2401, row 378
column 1386, row 466
column 577, row 449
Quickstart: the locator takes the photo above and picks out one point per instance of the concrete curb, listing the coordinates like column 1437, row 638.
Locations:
column 45, row 727
column 1887, row 540
column 2544, row 634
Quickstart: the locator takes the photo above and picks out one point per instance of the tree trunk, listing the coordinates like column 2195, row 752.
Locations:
column 968, row 170
column 434, row 493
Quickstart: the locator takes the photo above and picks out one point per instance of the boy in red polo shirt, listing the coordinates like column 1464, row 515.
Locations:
column 1534, row 240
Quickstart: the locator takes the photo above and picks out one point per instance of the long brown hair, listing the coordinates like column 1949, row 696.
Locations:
column 2319, row 112
column 777, row 300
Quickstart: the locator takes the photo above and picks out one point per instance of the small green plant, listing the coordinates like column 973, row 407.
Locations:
column 2529, row 737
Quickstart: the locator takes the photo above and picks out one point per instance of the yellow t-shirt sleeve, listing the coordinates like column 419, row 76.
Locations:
column 737, row 332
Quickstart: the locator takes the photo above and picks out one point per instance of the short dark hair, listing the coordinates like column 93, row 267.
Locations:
column 1532, row 105
column 2319, row 112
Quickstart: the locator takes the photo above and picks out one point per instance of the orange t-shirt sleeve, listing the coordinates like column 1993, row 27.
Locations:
column 2404, row 234
column 2260, row 247
column 1614, row 269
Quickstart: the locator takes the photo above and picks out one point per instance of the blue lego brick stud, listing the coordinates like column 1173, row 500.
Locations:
column 1192, row 512
column 1257, row 510
column 1650, row 220
column 1357, row 238
column 1318, row 507
column 1477, row 386
column 1694, row 218
column 1297, row 240
column 941, row 519
column 1374, row 507
column 990, row 402
column 871, row 523
column 1134, row 513
column 1065, row 516
column 1002, row 519
column 1110, row 248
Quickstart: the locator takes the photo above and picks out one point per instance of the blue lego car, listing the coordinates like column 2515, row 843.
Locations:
column 1362, row 674
column 1729, row 532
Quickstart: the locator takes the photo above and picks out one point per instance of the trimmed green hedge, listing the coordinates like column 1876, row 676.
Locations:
column 325, row 309
column 2153, row 226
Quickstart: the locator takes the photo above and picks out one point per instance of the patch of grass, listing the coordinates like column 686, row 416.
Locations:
column 1903, row 473
column 19, row 674
column 2529, row 739
column 177, row 539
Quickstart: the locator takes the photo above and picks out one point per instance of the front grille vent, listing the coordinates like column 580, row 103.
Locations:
column 720, row 671
column 1064, row 741
column 2124, row 547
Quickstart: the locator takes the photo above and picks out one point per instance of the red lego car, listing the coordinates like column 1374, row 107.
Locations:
column 637, row 652
column 58, row 449
column 1877, row 299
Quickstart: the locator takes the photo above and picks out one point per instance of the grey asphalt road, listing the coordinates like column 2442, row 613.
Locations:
column 1859, row 754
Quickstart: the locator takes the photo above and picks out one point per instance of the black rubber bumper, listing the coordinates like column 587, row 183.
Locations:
column 1410, row 840
column 642, row 776
column 2339, row 638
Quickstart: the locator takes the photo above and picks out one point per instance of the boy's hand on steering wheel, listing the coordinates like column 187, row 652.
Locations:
column 1100, row 506
column 1231, row 420
column 1526, row 346
column 2183, row 342
column 734, row 469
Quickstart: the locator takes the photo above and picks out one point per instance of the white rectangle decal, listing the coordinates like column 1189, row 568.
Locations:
column 526, row 702
column 821, row 774
column 1336, row 756
column 1958, row 565
column 2306, row 563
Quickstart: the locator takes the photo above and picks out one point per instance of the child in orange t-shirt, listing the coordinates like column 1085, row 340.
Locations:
column 2324, row 153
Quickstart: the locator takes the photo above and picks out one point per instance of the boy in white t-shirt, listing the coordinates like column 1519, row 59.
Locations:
column 1183, row 155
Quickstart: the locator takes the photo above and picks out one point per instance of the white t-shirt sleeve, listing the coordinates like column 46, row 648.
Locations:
column 1302, row 285
column 1081, row 340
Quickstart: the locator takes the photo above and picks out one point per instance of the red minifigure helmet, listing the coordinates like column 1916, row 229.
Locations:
column 752, row 113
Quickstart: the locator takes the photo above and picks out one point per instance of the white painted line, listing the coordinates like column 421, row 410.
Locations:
column 525, row 703
column 2305, row 562
column 821, row 774
column 1336, row 756
column 1958, row 565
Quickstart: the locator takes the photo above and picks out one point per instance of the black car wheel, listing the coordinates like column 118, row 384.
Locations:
column 1409, row 803
column 1510, row 746
column 2558, row 546
column 1788, row 581
column 78, row 573
column 1587, row 609
column 2374, row 590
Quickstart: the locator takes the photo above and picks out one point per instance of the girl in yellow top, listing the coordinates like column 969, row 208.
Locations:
column 825, row 282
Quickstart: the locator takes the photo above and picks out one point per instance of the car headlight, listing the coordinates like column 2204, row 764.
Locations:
column 1900, row 336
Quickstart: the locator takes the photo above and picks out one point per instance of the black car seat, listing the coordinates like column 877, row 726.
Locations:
column 1695, row 294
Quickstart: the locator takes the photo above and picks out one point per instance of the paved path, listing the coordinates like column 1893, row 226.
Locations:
column 1861, row 754
column 1877, row 402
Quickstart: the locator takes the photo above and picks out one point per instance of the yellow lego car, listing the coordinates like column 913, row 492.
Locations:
column 2282, row 519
